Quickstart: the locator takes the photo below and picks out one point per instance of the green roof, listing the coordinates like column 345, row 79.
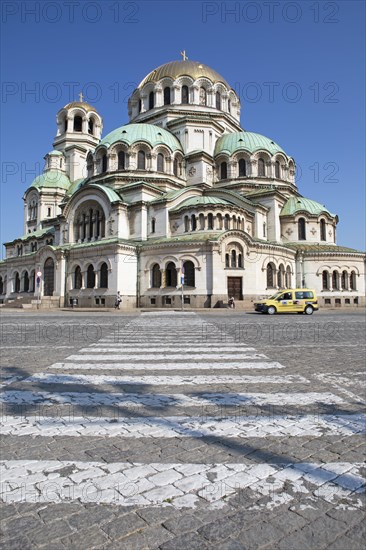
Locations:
column 55, row 152
column 149, row 133
column 302, row 204
column 249, row 141
column 112, row 195
column 194, row 237
column 35, row 234
column 51, row 178
column 322, row 248
column 75, row 185
column 201, row 201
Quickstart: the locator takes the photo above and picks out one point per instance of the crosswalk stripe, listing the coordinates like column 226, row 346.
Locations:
column 158, row 356
column 196, row 380
column 137, row 400
column 187, row 426
column 182, row 485
column 165, row 366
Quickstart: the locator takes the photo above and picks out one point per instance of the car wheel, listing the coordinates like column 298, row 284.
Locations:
column 308, row 310
column 271, row 310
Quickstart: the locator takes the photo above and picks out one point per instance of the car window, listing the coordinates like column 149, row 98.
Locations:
column 304, row 294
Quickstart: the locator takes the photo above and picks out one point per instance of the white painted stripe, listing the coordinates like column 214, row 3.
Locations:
column 166, row 366
column 233, row 348
column 101, row 379
column 137, row 400
column 182, row 485
column 257, row 426
column 157, row 356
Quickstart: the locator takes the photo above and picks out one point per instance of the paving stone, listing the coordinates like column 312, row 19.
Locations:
column 183, row 524
column 260, row 535
column 89, row 538
column 219, row 530
column 123, row 526
column 193, row 541
column 52, row 531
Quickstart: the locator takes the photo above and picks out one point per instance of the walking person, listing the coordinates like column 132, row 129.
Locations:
column 232, row 302
column 118, row 300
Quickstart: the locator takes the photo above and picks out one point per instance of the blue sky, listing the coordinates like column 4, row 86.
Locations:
column 298, row 67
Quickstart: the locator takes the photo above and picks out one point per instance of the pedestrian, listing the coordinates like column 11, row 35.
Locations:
column 118, row 300
column 232, row 302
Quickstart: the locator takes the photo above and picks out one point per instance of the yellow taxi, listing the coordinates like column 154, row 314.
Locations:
column 291, row 300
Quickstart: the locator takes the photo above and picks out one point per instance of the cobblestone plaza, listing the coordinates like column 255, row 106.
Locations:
column 172, row 430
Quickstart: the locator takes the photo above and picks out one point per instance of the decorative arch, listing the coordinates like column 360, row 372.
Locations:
column 271, row 273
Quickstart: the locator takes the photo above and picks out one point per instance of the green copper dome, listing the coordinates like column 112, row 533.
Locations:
column 52, row 178
column 249, row 141
column 201, row 201
column 301, row 204
column 153, row 135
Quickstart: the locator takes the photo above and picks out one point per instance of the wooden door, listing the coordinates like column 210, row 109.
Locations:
column 235, row 287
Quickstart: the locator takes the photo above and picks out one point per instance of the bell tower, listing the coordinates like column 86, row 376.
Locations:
column 79, row 129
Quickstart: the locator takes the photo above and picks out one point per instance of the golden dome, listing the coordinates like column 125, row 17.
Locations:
column 175, row 69
column 82, row 105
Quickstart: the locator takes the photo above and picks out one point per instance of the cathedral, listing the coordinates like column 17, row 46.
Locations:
column 181, row 207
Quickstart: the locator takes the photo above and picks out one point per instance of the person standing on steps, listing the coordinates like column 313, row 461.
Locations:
column 118, row 300
column 232, row 302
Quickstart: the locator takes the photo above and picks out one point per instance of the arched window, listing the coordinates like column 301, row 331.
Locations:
column 288, row 277
column 121, row 160
column 90, row 277
column 90, row 165
column 325, row 280
column 90, row 126
column 210, row 221
column 175, row 167
column 203, row 96
column 17, row 283
column 167, row 96
column 344, row 280
column 277, row 170
column 26, row 282
column 270, row 275
column 261, row 168
column 151, row 100
column 335, row 280
column 160, row 162
column 281, row 276
column 141, row 160
column 227, row 221
column 156, row 276
column 352, row 281
column 193, row 222
column 242, row 168
column 201, row 219
column 185, row 95
column 189, row 273
column 233, row 258
column 238, row 223
column 153, row 225
column 171, row 274
column 223, row 171
column 49, row 277
column 103, row 282
column 65, row 124
column 227, row 260
column 104, row 163
column 301, row 229
column 219, row 221
column 264, row 229
column 77, row 278
column 218, row 101
column 229, row 105
column 323, row 230
column 78, row 124
column 139, row 105
column 1, row 286
column 186, row 223
column 240, row 260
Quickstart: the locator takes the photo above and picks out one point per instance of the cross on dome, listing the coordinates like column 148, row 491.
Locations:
column 183, row 54
column 81, row 97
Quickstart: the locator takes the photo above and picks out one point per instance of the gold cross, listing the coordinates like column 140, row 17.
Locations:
column 183, row 54
column 81, row 97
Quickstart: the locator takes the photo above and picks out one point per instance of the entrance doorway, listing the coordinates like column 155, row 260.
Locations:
column 235, row 287
column 49, row 277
